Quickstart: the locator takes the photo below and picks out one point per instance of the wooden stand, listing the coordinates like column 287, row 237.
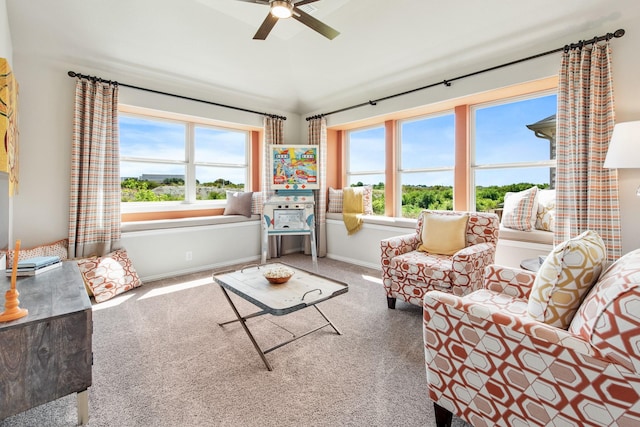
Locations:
column 12, row 309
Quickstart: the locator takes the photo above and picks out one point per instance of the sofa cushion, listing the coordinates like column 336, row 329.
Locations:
column 520, row 209
column 564, row 278
column 109, row 275
column 443, row 234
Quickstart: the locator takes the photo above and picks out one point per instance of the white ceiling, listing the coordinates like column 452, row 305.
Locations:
column 384, row 45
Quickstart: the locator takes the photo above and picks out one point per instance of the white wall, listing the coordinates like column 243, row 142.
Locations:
column 6, row 51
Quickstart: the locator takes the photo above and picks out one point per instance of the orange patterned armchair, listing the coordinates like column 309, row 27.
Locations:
column 409, row 269
column 500, row 357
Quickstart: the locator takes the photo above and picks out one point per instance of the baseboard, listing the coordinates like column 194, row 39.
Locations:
column 361, row 263
column 200, row 268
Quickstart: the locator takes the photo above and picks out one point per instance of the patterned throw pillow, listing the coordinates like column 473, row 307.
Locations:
column 565, row 276
column 367, row 200
column 520, row 209
column 59, row 248
column 546, row 218
column 109, row 275
column 256, row 203
column 335, row 200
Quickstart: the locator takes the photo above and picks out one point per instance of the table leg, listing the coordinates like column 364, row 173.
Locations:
column 246, row 329
column 83, row 407
column 328, row 321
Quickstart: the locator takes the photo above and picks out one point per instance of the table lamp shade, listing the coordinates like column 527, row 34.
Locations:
column 624, row 146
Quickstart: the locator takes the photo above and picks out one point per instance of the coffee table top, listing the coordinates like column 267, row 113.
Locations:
column 302, row 290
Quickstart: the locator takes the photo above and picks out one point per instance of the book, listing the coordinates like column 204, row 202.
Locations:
column 38, row 262
column 33, row 271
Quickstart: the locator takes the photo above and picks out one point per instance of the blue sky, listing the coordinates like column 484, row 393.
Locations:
column 163, row 140
column 501, row 136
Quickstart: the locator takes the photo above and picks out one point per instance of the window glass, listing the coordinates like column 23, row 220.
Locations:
column 427, row 159
column 155, row 165
column 366, row 162
column 148, row 138
column 514, row 148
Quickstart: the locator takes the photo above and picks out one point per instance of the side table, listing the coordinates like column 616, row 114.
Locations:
column 47, row 354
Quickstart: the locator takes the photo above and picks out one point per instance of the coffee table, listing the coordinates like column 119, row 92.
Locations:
column 305, row 289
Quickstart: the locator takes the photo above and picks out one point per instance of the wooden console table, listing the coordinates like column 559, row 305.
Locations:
column 47, row 354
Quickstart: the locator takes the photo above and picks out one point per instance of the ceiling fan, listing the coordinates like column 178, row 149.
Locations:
column 282, row 9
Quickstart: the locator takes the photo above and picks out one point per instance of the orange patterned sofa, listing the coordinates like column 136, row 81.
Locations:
column 407, row 273
column 493, row 359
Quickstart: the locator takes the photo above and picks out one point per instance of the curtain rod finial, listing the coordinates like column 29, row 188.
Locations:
column 619, row 33
column 71, row 74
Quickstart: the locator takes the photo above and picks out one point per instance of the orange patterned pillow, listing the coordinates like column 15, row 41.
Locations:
column 59, row 248
column 109, row 275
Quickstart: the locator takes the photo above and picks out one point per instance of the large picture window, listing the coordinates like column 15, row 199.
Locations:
column 513, row 146
column 164, row 160
column 427, row 160
column 366, row 162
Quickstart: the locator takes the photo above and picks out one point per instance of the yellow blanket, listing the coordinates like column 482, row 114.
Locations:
column 352, row 209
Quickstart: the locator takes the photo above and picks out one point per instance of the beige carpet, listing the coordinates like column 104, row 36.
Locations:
column 160, row 359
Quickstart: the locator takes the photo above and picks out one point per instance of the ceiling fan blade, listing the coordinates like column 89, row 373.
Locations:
column 266, row 27
column 301, row 2
column 266, row 2
column 314, row 24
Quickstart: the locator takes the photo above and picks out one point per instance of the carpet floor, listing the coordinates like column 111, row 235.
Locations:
column 161, row 359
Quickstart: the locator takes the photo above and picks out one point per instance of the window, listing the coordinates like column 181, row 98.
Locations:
column 366, row 162
column 179, row 160
column 514, row 148
column 462, row 153
column 426, row 166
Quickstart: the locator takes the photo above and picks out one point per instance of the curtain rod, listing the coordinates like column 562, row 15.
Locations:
column 94, row 78
column 580, row 44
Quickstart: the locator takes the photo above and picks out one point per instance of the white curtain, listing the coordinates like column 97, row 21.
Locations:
column 94, row 202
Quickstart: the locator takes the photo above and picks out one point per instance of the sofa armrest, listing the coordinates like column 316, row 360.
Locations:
column 463, row 309
column 514, row 282
column 398, row 245
column 478, row 257
column 495, row 350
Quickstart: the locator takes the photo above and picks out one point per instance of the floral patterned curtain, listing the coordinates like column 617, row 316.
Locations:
column 586, row 193
column 94, row 202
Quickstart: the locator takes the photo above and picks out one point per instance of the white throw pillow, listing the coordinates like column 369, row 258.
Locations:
column 546, row 218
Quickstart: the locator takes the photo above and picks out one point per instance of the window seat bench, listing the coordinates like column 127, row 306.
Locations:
column 160, row 224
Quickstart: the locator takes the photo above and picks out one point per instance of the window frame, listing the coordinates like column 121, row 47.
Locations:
column 348, row 172
column 189, row 207
column 473, row 167
column 399, row 171
column 463, row 187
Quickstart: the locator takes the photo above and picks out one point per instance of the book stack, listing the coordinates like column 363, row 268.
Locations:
column 36, row 265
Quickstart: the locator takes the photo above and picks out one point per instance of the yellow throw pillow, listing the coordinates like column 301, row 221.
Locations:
column 443, row 234
column 565, row 277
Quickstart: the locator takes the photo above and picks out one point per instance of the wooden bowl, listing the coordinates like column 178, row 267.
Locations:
column 278, row 280
column 278, row 275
